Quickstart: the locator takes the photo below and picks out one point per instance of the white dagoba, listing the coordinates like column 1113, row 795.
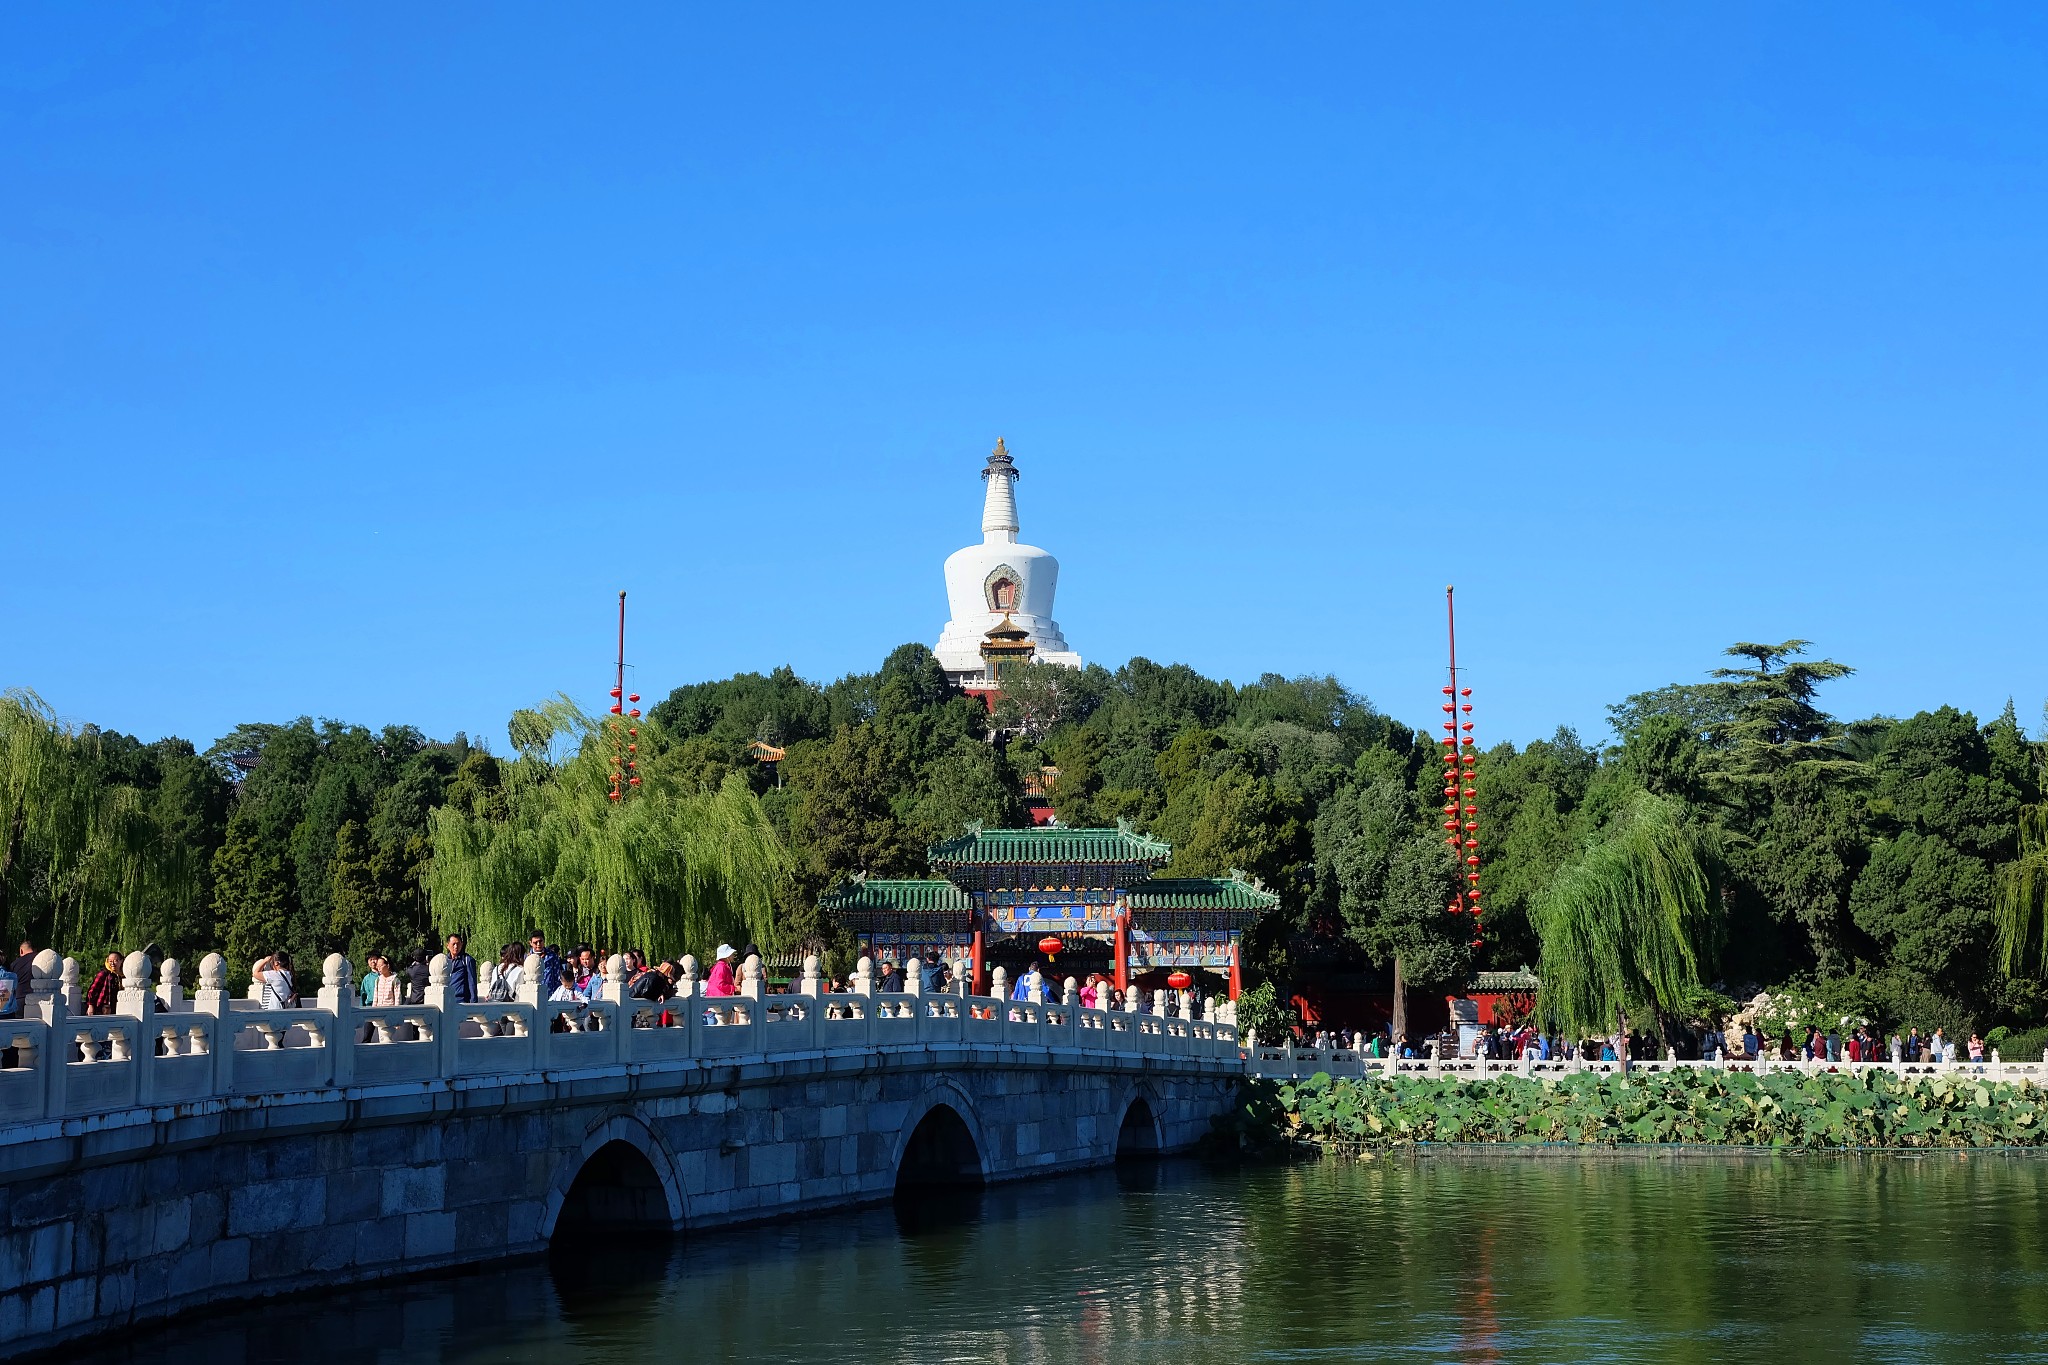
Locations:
column 996, row 579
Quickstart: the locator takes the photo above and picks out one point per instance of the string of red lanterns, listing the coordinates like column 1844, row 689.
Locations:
column 1461, row 808
column 622, row 725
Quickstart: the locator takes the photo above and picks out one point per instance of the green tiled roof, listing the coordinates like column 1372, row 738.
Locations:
column 1200, row 893
column 922, row 894
column 1049, row 844
column 1522, row 980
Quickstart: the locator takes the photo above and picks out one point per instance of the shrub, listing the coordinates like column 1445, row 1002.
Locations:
column 1822, row 1109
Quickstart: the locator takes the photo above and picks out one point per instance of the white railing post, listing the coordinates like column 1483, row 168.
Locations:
column 74, row 995
column 864, row 976
column 1070, row 994
column 614, row 989
column 338, row 998
column 963, row 977
column 440, row 998
column 814, row 979
column 751, row 985
column 135, row 1002
column 211, row 999
column 913, row 975
column 693, row 979
column 999, row 986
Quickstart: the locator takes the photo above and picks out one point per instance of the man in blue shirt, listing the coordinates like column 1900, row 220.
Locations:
column 461, row 972
column 550, row 964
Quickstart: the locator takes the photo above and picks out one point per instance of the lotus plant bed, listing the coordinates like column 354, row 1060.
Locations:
column 1819, row 1110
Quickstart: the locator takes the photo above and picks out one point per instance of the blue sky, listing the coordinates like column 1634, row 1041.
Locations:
column 353, row 357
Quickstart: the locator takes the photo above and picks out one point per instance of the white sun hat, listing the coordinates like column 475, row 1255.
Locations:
column 725, row 950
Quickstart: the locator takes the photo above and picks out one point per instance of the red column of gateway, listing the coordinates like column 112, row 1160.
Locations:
column 977, row 962
column 1236, row 979
column 1123, row 950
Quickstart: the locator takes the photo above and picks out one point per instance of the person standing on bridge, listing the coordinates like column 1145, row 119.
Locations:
column 720, row 981
column 550, row 963
column 461, row 972
column 274, row 975
column 105, row 988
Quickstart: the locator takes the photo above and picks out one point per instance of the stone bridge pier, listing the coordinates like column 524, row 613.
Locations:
column 506, row 1139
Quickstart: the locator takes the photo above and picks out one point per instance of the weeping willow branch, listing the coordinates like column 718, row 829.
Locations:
column 2021, row 913
column 669, row 869
column 80, row 859
column 1631, row 924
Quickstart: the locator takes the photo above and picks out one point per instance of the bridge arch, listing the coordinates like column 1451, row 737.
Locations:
column 1139, row 1133
column 622, row 1177
column 941, row 1143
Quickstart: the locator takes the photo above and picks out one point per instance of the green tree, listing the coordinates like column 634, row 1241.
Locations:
column 665, row 869
column 1390, row 878
column 1631, row 927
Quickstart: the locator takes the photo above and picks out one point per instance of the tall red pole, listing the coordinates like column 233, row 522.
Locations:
column 619, row 679
column 1460, row 809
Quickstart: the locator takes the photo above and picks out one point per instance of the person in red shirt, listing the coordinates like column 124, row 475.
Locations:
column 104, row 991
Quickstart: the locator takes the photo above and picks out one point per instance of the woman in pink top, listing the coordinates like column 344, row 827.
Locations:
column 720, row 981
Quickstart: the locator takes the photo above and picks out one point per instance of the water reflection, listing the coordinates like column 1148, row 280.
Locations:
column 1599, row 1258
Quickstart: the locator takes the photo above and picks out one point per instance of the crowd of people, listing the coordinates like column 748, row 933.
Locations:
column 576, row 976
column 1861, row 1044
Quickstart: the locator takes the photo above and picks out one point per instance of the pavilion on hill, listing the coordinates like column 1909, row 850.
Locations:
column 1001, row 892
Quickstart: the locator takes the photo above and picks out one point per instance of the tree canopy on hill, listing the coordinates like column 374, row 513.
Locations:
column 1893, row 865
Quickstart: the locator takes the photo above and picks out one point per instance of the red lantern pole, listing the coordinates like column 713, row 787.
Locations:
column 1460, row 808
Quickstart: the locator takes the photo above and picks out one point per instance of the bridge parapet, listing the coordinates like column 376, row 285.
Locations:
column 164, row 1048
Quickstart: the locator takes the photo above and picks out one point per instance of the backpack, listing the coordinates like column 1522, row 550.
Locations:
column 501, row 987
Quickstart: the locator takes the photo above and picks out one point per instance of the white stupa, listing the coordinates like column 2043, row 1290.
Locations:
column 999, row 585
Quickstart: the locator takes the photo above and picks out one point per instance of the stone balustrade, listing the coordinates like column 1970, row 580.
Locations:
column 165, row 1047
column 1291, row 1062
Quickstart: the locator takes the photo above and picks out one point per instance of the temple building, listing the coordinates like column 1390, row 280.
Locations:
column 1000, row 593
column 1003, row 894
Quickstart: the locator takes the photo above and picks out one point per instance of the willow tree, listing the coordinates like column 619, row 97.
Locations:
column 81, row 861
column 670, row 867
column 1629, row 927
column 2021, row 913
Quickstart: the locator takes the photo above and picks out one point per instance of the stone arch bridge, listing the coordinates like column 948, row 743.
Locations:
column 195, row 1149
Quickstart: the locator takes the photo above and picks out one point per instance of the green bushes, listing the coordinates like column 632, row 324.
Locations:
column 1736, row 1109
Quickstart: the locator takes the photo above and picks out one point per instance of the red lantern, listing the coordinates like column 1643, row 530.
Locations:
column 1466, row 692
column 615, row 793
column 1050, row 945
column 1180, row 981
column 615, row 692
column 635, row 714
column 636, row 697
column 615, row 708
column 1473, row 860
column 634, row 780
column 1478, row 943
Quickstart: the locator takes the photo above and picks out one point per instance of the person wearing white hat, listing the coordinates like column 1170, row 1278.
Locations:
column 720, row 981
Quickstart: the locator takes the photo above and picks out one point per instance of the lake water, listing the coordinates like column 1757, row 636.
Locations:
column 1596, row 1257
